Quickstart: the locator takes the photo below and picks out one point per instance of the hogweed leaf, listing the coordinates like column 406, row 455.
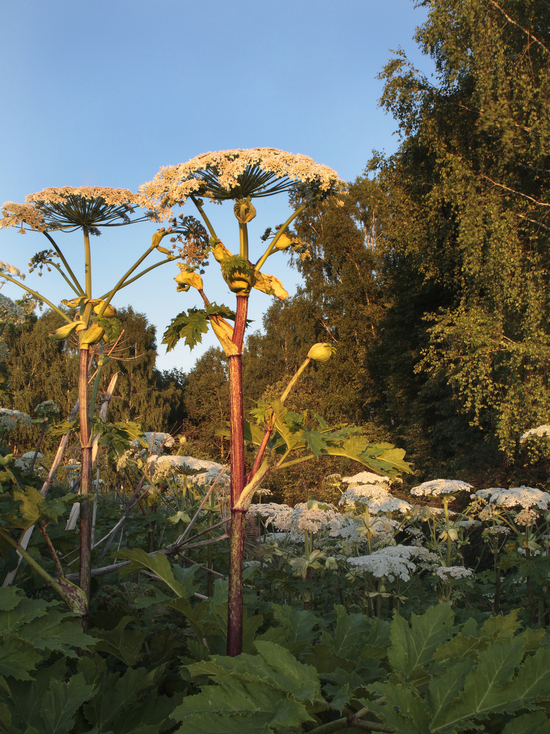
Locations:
column 486, row 686
column 158, row 564
column 533, row 723
column 413, row 647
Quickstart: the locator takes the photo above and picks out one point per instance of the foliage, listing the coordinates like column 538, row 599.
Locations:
column 465, row 244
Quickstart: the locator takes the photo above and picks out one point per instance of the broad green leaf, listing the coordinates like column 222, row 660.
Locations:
column 24, row 611
column 157, row 563
column 442, row 691
column 124, row 644
column 56, row 631
column 239, row 707
column 486, row 687
column 403, row 708
column 62, row 701
column 10, row 597
column 274, row 666
column 188, row 325
column 414, row 646
column 17, row 660
column 349, row 633
column 532, row 680
column 116, row 694
column 532, row 723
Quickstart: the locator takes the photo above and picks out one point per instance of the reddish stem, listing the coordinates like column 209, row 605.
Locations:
column 86, row 477
column 236, row 543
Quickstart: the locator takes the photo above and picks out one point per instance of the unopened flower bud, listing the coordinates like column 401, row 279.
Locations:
column 321, row 352
column 284, row 242
column 108, row 312
column 244, row 210
column 92, row 336
column 188, row 278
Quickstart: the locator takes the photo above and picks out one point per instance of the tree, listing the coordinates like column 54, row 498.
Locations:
column 143, row 394
column 466, row 240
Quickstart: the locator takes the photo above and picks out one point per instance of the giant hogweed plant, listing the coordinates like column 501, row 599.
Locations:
column 240, row 176
column 88, row 210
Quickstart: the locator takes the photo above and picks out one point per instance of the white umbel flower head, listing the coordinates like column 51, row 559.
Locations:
column 391, row 562
column 453, row 572
column 516, row 496
column 437, row 487
column 237, row 175
column 365, row 477
column 539, row 431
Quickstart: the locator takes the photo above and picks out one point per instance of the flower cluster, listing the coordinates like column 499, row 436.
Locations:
column 10, row 270
column 437, row 487
column 393, row 561
column 156, row 440
column 539, row 431
column 24, row 462
column 375, row 497
column 69, row 208
column 516, row 496
column 454, row 572
column 10, row 418
column 235, row 174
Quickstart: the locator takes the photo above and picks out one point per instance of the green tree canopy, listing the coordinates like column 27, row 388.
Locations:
column 466, row 241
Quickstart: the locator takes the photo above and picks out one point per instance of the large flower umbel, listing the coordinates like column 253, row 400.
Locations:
column 69, row 209
column 237, row 174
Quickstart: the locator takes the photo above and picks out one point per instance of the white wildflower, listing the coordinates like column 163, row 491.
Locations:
column 10, row 270
column 539, row 431
column 314, row 516
column 526, row 517
column 168, row 466
column 366, row 477
column 455, row 572
column 235, row 174
column 523, row 496
column 437, row 487
column 10, row 418
column 24, row 462
column 376, row 498
column 280, row 516
column 388, row 562
column 156, row 440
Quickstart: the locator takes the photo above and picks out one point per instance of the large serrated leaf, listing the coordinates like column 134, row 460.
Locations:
column 117, row 694
column 239, row 707
column 413, row 647
column 17, row 660
column 443, row 691
column 486, row 688
column 124, row 644
column 533, row 723
column 157, row 563
column 403, row 709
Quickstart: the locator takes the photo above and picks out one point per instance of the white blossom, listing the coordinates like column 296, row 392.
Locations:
column 437, row 487
column 455, row 572
column 393, row 561
column 375, row 497
column 539, row 431
column 156, row 440
column 166, row 466
column 366, row 477
column 24, row 462
column 11, row 270
column 523, row 496
column 10, row 418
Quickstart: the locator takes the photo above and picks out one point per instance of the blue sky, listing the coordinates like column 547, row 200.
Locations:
column 104, row 93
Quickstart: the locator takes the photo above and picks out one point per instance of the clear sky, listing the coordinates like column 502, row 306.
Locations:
column 104, row 93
